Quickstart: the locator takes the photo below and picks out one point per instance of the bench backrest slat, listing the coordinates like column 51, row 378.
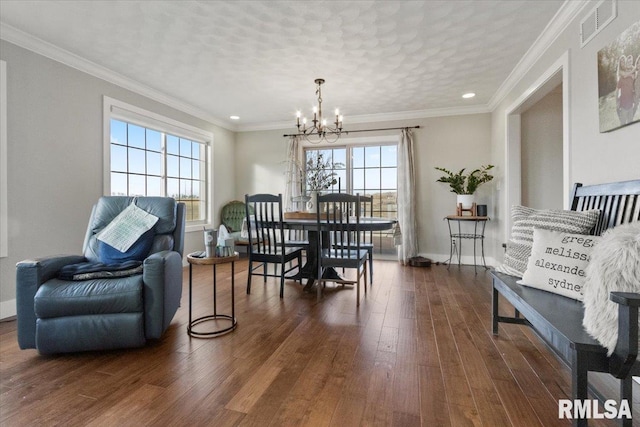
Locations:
column 619, row 202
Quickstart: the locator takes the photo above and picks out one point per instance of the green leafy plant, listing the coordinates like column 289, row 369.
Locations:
column 466, row 184
column 320, row 174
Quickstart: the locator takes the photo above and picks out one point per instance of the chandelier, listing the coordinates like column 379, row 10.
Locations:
column 319, row 131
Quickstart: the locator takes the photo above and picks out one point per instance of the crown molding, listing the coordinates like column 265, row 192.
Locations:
column 559, row 23
column 51, row 51
column 383, row 117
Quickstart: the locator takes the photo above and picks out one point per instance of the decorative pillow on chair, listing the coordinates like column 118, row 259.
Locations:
column 558, row 261
column 525, row 219
column 128, row 236
column 137, row 252
column 614, row 266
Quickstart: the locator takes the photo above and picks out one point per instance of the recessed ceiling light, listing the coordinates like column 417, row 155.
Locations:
column 469, row 95
column 234, row 117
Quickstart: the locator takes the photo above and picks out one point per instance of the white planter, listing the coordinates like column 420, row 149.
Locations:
column 466, row 200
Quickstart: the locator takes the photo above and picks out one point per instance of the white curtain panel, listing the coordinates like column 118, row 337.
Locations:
column 406, row 198
column 293, row 174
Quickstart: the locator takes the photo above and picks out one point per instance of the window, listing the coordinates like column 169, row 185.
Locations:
column 149, row 155
column 371, row 170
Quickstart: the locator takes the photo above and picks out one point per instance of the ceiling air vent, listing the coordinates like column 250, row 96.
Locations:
column 598, row 18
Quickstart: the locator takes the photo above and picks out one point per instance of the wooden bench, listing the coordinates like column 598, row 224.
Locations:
column 558, row 320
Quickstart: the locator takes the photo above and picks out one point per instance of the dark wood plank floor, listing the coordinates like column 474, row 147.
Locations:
column 418, row 351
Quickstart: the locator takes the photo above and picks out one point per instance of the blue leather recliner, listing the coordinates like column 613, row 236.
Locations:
column 58, row 316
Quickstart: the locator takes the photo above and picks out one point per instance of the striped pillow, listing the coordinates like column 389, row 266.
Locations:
column 525, row 219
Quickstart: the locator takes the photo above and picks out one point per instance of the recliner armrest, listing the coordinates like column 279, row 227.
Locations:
column 626, row 350
column 30, row 274
column 162, row 277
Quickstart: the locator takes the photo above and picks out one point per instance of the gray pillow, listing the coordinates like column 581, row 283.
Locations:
column 525, row 219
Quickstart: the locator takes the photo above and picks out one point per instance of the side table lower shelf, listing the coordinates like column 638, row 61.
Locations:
column 214, row 261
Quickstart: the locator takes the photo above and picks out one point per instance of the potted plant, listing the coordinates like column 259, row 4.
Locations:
column 320, row 176
column 465, row 185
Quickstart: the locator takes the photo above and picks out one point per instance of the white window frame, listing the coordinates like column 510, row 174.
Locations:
column 119, row 110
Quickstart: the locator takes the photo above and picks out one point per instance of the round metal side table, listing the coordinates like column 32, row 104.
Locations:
column 214, row 261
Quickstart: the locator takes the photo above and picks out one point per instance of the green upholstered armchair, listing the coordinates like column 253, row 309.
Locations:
column 232, row 216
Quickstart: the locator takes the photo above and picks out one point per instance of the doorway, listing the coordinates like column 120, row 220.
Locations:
column 541, row 152
column 556, row 78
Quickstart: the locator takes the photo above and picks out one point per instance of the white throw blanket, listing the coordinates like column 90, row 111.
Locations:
column 614, row 266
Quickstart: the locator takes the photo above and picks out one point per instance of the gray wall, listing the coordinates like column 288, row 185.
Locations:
column 55, row 157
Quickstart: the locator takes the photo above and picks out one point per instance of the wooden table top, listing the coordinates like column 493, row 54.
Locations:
column 212, row 260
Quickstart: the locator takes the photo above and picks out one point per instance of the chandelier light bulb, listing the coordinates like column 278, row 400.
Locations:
column 337, row 111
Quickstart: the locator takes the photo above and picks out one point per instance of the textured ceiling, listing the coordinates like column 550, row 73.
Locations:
column 259, row 59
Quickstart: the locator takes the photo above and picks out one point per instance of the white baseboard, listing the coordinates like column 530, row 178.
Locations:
column 7, row 309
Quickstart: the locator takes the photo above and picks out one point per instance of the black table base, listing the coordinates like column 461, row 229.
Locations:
column 215, row 316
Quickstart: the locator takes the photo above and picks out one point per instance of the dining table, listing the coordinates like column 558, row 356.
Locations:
column 309, row 270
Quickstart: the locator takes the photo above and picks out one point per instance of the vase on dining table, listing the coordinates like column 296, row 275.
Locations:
column 311, row 204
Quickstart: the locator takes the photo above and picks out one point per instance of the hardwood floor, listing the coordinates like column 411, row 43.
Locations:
column 418, row 351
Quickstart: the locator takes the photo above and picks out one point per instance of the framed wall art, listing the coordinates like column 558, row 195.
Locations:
column 619, row 80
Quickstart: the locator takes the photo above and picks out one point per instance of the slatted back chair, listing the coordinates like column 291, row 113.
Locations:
column 266, row 239
column 616, row 202
column 338, row 214
column 366, row 237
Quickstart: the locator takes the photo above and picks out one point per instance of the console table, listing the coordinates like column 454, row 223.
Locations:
column 214, row 261
column 456, row 238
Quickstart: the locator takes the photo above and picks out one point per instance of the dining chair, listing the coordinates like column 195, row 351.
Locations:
column 366, row 237
column 339, row 214
column 266, row 239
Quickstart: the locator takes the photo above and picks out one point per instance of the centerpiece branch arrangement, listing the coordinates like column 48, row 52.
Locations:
column 320, row 173
column 321, row 176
